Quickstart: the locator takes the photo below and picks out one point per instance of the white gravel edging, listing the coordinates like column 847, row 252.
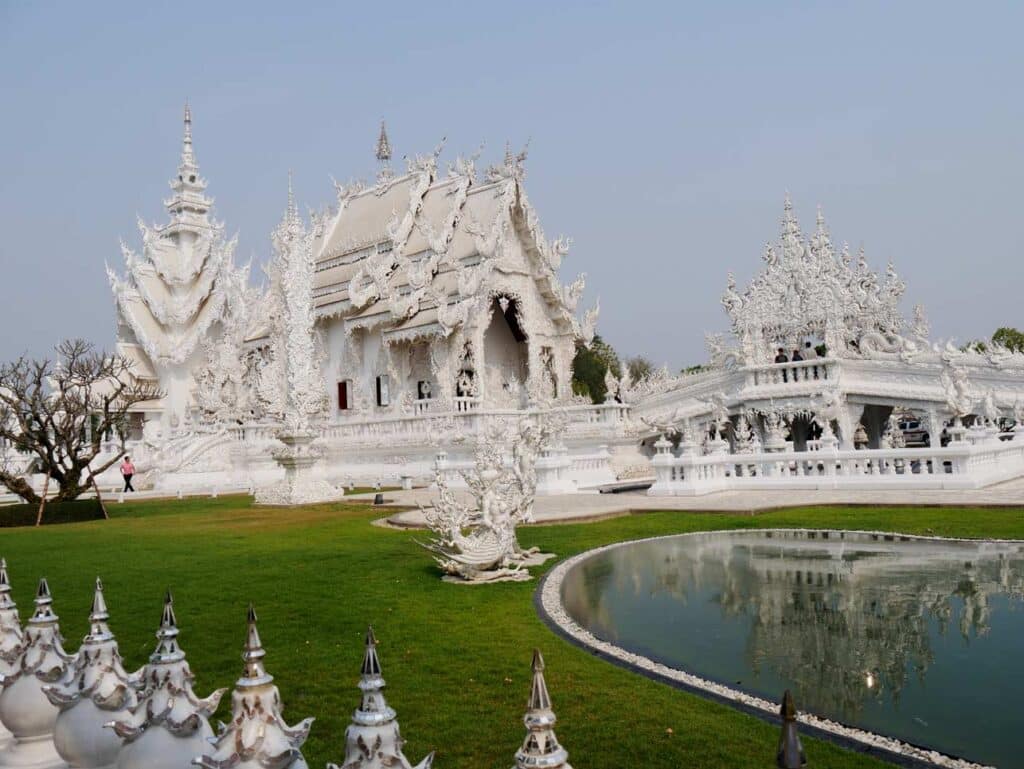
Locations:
column 551, row 603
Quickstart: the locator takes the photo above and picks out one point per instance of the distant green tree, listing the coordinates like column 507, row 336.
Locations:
column 695, row 369
column 589, row 367
column 1010, row 338
column 639, row 367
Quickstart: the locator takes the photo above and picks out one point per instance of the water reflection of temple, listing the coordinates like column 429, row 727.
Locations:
column 845, row 617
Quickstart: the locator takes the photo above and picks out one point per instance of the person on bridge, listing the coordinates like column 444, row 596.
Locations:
column 781, row 358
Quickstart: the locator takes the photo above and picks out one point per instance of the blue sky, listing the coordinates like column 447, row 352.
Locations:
column 663, row 137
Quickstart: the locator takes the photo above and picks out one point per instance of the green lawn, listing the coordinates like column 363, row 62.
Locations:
column 456, row 658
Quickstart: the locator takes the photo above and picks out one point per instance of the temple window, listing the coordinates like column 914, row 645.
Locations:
column 344, row 395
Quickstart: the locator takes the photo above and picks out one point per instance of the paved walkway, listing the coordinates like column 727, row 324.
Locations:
column 583, row 507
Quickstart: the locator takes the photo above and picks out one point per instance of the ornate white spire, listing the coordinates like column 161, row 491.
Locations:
column 40, row 661
column 95, row 690
column 11, row 638
column 383, row 154
column 541, row 747
column 383, row 145
column 189, row 204
column 372, row 740
column 291, row 213
column 176, row 293
column 188, row 159
column 257, row 736
column 167, row 707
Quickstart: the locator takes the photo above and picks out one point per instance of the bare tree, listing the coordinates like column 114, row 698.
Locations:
column 59, row 411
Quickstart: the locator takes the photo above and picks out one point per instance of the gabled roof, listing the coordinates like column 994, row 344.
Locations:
column 412, row 243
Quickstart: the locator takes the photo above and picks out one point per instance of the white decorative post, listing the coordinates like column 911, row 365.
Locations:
column 257, row 736
column 540, row 747
column 24, row 708
column 295, row 347
column 168, row 727
column 11, row 639
column 372, row 740
column 96, row 689
column 662, row 463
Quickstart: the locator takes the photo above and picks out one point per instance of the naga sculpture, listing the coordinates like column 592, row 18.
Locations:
column 477, row 542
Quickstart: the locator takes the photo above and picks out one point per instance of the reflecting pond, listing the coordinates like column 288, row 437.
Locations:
column 917, row 639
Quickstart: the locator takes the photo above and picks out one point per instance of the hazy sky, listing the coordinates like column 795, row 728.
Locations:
column 664, row 136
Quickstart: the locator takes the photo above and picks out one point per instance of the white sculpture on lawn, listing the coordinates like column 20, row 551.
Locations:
column 297, row 352
column 477, row 542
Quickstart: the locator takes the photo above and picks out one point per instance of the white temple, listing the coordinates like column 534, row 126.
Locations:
column 437, row 313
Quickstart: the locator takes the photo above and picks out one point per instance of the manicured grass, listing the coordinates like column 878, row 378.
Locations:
column 456, row 658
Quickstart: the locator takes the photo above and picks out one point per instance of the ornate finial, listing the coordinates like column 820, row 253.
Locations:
column 371, row 662
column 820, row 221
column 98, row 629
column 188, row 158
column 293, row 209
column 790, row 754
column 44, row 611
column 541, row 747
column 383, row 145
column 167, row 649
column 373, row 740
column 539, row 697
column 790, row 227
column 384, row 172
column 255, row 674
column 257, row 736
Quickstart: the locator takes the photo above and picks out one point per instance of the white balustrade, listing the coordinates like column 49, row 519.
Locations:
column 966, row 466
column 427, row 421
column 792, row 373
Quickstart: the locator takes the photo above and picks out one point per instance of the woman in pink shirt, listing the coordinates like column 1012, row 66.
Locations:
column 127, row 471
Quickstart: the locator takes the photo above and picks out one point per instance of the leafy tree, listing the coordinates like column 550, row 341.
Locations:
column 589, row 367
column 1010, row 338
column 58, row 411
column 639, row 367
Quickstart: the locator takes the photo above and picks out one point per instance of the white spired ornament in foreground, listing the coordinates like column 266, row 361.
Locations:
column 168, row 727
column 11, row 639
column 257, row 736
column 372, row 740
column 541, row 749
column 24, row 708
column 95, row 690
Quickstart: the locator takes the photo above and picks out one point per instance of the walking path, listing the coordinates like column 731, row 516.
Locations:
column 584, row 507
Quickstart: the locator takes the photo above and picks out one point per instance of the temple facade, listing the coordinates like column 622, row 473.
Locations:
column 438, row 317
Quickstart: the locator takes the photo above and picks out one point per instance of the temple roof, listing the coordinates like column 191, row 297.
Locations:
column 415, row 243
